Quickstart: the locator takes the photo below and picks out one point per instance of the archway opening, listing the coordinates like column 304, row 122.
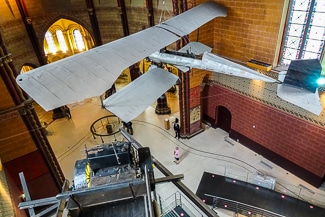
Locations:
column 65, row 38
column 223, row 118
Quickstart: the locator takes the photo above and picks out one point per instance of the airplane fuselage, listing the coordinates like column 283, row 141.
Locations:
column 209, row 61
column 177, row 59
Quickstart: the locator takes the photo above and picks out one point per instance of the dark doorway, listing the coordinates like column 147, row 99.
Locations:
column 223, row 118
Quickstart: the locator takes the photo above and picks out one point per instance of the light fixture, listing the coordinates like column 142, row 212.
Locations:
column 0, row 165
column 321, row 81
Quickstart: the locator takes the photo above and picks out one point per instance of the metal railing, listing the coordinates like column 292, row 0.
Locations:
column 169, row 204
column 247, row 173
column 296, row 191
column 241, row 208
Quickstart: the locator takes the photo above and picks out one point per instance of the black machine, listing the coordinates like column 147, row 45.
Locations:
column 115, row 179
column 112, row 178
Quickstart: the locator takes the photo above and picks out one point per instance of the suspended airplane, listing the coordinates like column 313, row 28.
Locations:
column 91, row 73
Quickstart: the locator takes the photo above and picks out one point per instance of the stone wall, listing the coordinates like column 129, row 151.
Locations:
column 6, row 206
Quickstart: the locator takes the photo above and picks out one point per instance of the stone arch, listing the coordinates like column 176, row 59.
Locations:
column 223, row 118
column 205, row 80
column 56, row 59
column 66, row 26
column 27, row 67
column 51, row 21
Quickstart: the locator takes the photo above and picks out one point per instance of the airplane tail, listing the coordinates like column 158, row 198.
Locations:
column 195, row 48
column 303, row 98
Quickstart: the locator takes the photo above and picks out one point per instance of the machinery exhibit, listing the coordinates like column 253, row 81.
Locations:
column 115, row 179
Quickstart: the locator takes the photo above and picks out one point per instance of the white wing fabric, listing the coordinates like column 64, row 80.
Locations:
column 91, row 73
column 300, row 97
column 133, row 99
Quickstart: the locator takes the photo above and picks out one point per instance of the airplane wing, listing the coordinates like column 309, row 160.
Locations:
column 133, row 99
column 303, row 98
column 91, row 73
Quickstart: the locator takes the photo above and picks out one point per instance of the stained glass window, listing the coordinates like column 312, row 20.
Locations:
column 50, row 42
column 305, row 32
column 63, row 45
column 78, row 40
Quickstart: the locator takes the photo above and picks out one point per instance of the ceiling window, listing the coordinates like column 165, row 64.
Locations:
column 305, row 31
column 50, row 42
column 63, row 45
column 78, row 39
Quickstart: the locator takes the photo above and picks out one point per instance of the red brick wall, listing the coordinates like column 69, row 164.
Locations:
column 196, row 79
column 195, row 98
column 297, row 140
column 249, row 31
column 205, row 34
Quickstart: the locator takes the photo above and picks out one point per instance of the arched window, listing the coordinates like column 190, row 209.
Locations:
column 50, row 42
column 63, row 45
column 78, row 39
column 305, row 31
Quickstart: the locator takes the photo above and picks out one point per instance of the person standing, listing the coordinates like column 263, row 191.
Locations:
column 177, row 128
column 176, row 155
column 72, row 188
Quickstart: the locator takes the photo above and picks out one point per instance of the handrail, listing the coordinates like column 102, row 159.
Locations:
column 148, row 191
column 168, row 206
column 247, row 207
column 280, row 186
column 194, row 198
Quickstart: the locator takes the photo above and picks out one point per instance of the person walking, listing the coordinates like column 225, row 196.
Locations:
column 177, row 128
column 128, row 127
column 176, row 155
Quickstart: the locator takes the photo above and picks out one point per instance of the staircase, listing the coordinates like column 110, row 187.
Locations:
column 173, row 206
